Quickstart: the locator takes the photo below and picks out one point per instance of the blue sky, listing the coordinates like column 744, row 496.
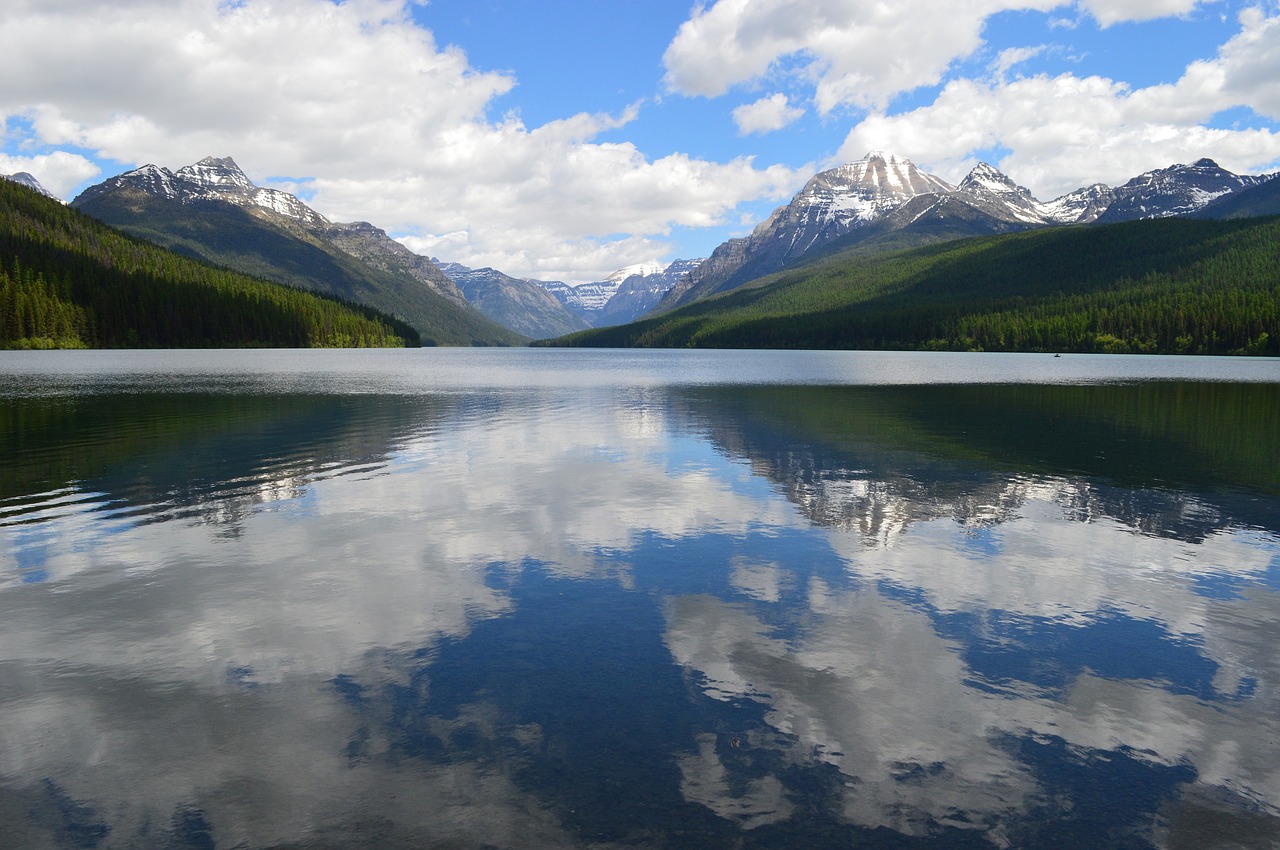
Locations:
column 563, row 139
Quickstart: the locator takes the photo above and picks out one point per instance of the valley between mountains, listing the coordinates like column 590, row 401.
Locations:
column 872, row 254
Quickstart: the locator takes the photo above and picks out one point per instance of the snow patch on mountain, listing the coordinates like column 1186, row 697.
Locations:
column 1081, row 206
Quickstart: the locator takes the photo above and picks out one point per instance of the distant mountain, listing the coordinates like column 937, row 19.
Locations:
column 883, row 202
column 639, row 289
column 27, row 179
column 1174, row 191
column 1262, row 199
column 212, row 210
column 623, row 296
column 70, row 281
column 524, row 306
column 1083, row 206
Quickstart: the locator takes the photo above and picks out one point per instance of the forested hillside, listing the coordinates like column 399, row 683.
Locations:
column 68, row 281
column 1166, row 286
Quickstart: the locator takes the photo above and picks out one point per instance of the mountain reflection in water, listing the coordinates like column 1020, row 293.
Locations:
column 659, row 615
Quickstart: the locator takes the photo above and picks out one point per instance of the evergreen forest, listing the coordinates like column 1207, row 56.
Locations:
column 68, row 281
column 1168, row 286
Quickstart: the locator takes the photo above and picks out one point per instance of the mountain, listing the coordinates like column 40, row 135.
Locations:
column 991, row 191
column 1172, row 285
column 883, row 202
column 1262, row 199
column 832, row 204
column 25, row 178
column 69, row 281
column 639, row 289
column 1083, row 206
column 525, row 306
column 211, row 210
column 1174, row 191
column 548, row 308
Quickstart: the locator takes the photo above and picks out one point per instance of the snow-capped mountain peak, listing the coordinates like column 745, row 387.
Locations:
column 991, row 179
column 869, row 186
column 1081, row 206
column 641, row 269
column 218, row 179
column 992, row 191
column 26, row 178
column 152, row 179
column 217, row 174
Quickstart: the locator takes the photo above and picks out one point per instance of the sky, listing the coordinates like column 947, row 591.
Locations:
column 565, row 139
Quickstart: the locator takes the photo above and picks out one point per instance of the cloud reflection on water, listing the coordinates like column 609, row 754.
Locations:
column 399, row 642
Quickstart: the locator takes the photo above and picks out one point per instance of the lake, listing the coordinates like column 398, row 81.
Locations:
column 604, row 599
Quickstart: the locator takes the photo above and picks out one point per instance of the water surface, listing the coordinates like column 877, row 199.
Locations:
column 660, row 599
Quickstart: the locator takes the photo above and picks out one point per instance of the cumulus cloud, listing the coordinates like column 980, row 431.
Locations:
column 766, row 115
column 1065, row 131
column 859, row 52
column 373, row 117
column 58, row 172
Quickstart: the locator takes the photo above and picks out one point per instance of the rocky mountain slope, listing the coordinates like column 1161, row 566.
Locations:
column 1175, row 191
column 522, row 305
column 212, row 210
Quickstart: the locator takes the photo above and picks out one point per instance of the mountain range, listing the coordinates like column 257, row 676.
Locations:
column 884, row 201
column 211, row 210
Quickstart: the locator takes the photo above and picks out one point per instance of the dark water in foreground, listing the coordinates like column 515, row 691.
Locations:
column 532, row 599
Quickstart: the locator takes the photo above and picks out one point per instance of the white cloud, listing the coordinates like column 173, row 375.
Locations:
column 1108, row 12
column 766, row 115
column 860, row 52
column 375, row 118
column 1250, row 63
column 1066, row 131
column 57, row 172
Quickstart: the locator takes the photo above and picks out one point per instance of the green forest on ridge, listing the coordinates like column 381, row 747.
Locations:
column 68, row 281
column 1168, row 286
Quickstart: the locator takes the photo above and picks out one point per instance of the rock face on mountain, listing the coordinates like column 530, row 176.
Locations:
column 211, row 210
column 1173, row 191
column 884, row 201
column 372, row 245
column 522, row 305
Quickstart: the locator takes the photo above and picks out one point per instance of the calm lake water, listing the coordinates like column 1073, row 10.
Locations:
column 545, row 599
